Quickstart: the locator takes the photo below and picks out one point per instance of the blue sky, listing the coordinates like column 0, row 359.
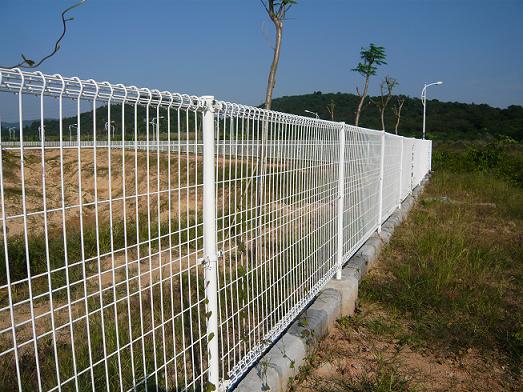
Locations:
column 223, row 48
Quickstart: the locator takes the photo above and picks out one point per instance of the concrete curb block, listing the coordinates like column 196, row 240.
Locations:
column 338, row 298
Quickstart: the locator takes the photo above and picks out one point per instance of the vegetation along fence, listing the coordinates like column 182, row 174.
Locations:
column 159, row 241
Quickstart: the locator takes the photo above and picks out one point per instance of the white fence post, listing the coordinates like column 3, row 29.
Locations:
column 380, row 196
column 341, row 182
column 412, row 166
column 209, row 242
column 401, row 172
column 430, row 156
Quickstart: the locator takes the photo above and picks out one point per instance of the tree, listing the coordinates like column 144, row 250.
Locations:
column 400, row 101
column 28, row 63
column 331, row 108
column 371, row 57
column 277, row 11
column 386, row 87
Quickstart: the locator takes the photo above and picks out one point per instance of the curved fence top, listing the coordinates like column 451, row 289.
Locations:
column 56, row 85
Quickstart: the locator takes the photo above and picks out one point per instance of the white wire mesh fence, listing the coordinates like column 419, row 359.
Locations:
column 159, row 241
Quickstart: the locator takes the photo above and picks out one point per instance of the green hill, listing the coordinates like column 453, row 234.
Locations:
column 445, row 120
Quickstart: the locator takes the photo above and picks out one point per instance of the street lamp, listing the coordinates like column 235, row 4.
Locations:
column 107, row 127
column 41, row 133
column 313, row 113
column 317, row 118
column 70, row 127
column 153, row 123
column 424, row 101
column 12, row 131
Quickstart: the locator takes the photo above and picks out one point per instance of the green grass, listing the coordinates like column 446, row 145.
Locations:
column 448, row 283
column 502, row 158
column 143, row 352
column 37, row 247
column 452, row 273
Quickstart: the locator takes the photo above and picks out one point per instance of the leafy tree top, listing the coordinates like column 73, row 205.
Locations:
column 372, row 57
column 277, row 8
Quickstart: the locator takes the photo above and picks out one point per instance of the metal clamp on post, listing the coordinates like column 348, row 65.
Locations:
column 209, row 259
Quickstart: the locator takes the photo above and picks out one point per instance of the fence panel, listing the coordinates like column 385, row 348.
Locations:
column 153, row 240
column 276, row 198
column 101, row 281
column 420, row 167
column 407, row 164
column 362, row 172
column 391, row 174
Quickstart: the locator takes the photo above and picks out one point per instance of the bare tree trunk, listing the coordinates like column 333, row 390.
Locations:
column 398, row 115
column 275, row 60
column 257, row 181
column 271, row 82
column 260, row 170
column 389, row 83
column 360, row 105
column 331, row 108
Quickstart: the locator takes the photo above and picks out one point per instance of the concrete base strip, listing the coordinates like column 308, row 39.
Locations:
column 338, row 298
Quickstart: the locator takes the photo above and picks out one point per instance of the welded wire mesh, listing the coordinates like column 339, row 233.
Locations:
column 361, row 186
column 391, row 174
column 276, row 225
column 104, row 267
column 420, row 158
column 101, row 285
column 407, row 166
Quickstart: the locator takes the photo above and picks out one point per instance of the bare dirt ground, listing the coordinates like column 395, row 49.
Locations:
column 355, row 358
column 143, row 265
column 141, row 177
column 442, row 308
